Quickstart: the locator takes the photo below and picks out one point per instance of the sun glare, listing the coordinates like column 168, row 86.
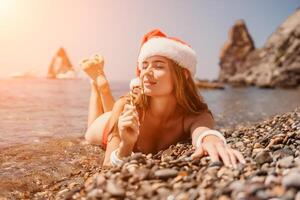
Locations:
column 6, row 7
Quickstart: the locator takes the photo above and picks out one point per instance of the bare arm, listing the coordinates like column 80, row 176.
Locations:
column 114, row 138
column 113, row 144
column 212, row 144
column 125, row 132
column 200, row 123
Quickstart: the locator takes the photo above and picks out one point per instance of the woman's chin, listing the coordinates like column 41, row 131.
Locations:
column 148, row 92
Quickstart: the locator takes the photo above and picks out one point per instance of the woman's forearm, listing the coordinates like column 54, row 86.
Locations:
column 197, row 132
column 205, row 133
column 120, row 152
column 125, row 150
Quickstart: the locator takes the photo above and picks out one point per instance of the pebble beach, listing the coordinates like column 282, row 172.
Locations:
column 272, row 170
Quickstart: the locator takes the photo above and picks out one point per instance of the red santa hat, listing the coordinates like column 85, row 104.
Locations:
column 157, row 43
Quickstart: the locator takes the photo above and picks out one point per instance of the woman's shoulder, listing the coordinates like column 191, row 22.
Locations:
column 201, row 115
column 120, row 103
column 204, row 118
column 117, row 110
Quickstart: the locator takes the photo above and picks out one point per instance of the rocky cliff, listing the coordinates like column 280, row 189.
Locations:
column 276, row 64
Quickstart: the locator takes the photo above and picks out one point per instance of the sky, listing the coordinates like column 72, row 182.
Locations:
column 31, row 31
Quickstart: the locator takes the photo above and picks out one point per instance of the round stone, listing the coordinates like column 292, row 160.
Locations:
column 166, row 173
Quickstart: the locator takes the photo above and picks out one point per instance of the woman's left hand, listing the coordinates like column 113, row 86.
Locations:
column 216, row 149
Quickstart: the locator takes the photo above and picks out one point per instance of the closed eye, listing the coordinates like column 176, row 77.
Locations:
column 155, row 64
column 145, row 65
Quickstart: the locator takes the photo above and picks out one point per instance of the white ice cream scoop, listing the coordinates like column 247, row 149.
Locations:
column 135, row 90
column 136, row 82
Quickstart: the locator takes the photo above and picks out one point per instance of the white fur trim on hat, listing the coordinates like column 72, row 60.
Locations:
column 182, row 54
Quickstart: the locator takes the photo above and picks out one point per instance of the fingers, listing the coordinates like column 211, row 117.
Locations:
column 198, row 153
column 222, row 151
column 135, row 95
column 217, row 151
column 130, row 124
column 232, row 157
column 127, row 121
column 129, row 115
column 212, row 152
column 130, row 108
column 129, row 118
column 239, row 156
column 136, row 90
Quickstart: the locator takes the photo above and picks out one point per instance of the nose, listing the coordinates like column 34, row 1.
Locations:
column 149, row 70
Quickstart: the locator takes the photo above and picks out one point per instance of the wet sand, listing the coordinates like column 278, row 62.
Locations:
column 31, row 168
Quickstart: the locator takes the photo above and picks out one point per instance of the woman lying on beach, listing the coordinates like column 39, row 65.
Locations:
column 168, row 110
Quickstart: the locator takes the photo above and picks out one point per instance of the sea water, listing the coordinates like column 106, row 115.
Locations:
column 35, row 109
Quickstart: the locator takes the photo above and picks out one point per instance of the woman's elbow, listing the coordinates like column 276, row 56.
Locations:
column 91, row 138
column 87, row 137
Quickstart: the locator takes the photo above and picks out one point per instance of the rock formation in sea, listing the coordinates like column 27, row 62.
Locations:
column 235, row 51
column 60, row 66
column 206, row 84
column 276, row 64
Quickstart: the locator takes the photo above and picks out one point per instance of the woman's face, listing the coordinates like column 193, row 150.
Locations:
column 156, row 76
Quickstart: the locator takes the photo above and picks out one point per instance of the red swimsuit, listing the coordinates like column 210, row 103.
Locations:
column 107, row 129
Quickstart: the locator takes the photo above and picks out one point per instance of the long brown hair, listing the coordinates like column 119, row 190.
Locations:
column 185, row 92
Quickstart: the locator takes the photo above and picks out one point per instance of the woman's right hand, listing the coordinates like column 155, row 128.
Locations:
column 128, row 125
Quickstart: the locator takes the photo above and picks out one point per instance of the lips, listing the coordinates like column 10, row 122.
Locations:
column 149, row 82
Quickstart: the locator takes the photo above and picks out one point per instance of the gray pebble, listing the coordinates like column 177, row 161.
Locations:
column 166, row 173
column 291, row 180
column 263, row 157
column 114, row 189
column 286, row 162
